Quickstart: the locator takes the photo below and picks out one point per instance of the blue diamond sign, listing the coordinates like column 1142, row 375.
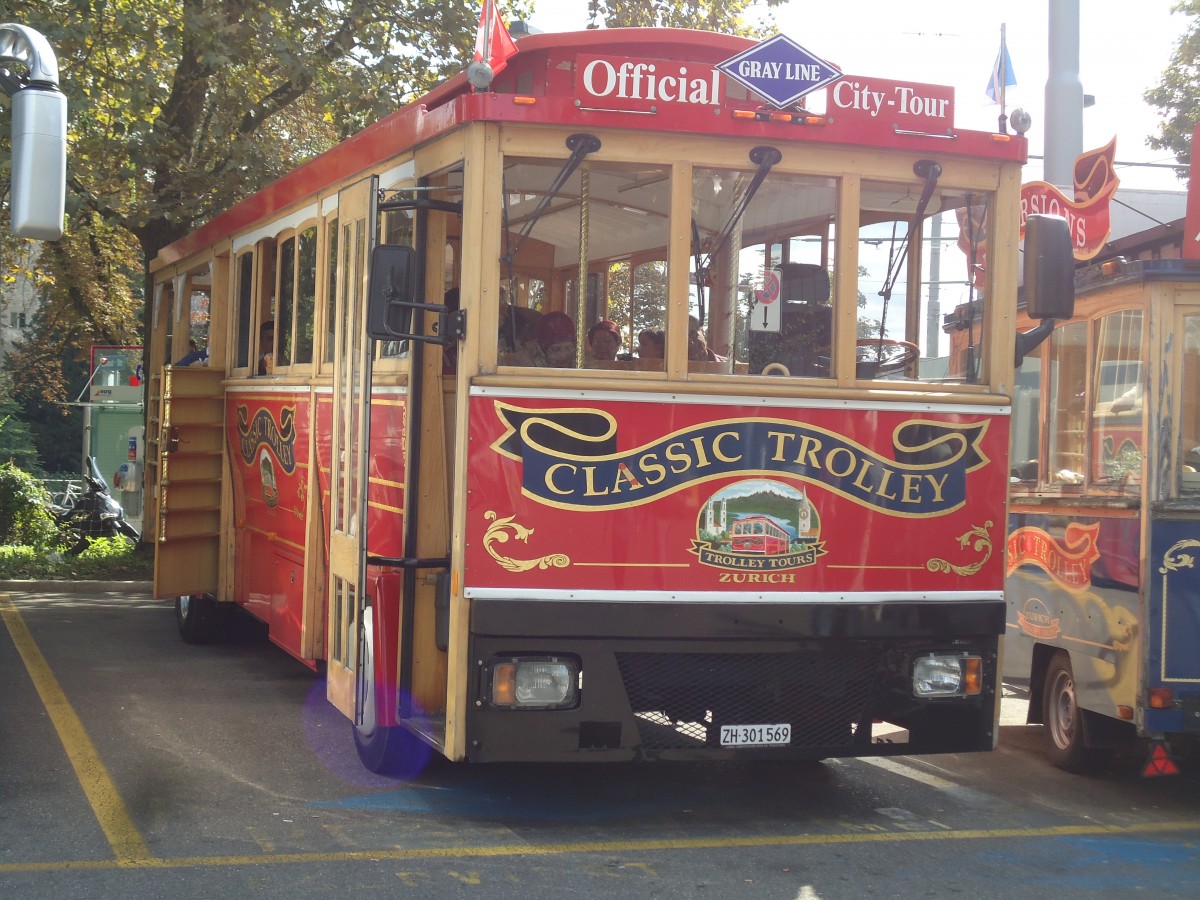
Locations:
column 780, row 70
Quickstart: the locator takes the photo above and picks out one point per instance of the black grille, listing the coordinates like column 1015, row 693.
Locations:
column 681, row 700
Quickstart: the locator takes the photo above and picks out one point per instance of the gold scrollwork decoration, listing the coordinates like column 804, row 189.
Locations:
column 982, row 544
column 498, row 533
column 1175, row 559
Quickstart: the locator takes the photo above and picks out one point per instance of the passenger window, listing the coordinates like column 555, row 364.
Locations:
column 244, row 314
column 306, row 295
column 285, row 301
column 920, row 288
column 331, row 263
column 762, row 270
column 1189, row 414
column 1117, row 401
column 1068, row 404
column 1027, row 419
column 545, row 319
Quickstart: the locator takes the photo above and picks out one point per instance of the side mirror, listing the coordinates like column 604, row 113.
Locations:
column 1049, row 268
column 390, row 292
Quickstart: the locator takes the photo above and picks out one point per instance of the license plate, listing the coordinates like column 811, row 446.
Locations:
column 756, row 735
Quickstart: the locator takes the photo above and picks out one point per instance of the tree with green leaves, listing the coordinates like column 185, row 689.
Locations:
column 16, row 441
column 1177, row 96
column 709, row 15
column 180, row 108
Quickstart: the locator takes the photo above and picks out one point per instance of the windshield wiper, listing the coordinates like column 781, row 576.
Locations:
column 765, row 158
column 580, row 146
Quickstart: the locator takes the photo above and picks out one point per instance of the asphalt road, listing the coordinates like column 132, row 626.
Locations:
column 133, row 765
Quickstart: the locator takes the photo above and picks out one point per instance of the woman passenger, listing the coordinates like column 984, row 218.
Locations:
column 556, row 340
column 603, row 341
column 651, row 344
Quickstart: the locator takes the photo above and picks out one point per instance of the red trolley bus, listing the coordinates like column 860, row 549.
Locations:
column 503, row 539
column 758, row 534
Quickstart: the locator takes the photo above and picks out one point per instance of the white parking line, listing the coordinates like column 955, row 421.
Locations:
column 907, row 771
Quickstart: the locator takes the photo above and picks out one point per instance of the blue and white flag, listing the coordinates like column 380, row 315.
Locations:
column 1002, row 74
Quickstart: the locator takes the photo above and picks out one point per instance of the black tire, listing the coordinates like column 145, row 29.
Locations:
column 392, row 751
column 1063, row 720
column 384, row 750
column 198, row 617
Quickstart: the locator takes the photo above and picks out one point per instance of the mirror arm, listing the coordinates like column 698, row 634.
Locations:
column 1027, row 340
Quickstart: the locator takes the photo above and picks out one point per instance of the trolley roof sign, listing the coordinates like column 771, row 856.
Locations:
column 779, row 70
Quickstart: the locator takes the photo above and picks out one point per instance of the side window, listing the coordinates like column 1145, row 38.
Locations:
column 285, row 295
column 1189, row 413
column 199, row 311
column 636, row 307
column 1117, row 401
column 1027, row 419
column 331, row 263
column 1068, row 404
column 306, row 295
column 244, row 301
column 265, row 344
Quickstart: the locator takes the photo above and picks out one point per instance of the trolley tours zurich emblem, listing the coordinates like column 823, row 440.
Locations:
column 760, row 527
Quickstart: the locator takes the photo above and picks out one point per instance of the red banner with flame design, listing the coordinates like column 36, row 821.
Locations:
column 1068, row 563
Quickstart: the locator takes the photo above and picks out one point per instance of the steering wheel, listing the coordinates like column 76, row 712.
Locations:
column 888, row 357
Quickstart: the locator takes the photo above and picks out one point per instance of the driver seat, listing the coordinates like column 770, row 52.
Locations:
column 806, row 331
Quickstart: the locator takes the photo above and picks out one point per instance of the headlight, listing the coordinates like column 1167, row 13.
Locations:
column 534, row 682
column 947, row 675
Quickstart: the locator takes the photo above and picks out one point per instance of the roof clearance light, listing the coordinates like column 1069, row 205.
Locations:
column 745, row 114
column 523, row 100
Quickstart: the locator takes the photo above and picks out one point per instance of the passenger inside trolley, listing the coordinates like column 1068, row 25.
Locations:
column 747, row 223
column 266, row 347
column 802, row 344
column 650, row 344
column 603, row 342
column 556, row 341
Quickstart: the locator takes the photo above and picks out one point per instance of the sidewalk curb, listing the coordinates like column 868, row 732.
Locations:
column 63, row 586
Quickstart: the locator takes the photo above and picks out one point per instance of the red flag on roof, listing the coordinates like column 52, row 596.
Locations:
column 493, row 44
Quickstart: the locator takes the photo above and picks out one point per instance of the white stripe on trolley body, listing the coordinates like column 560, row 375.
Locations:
column 660, row 397
column 791, row 596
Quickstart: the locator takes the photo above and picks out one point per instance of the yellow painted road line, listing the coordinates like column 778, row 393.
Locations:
column 126, row 841
column 500, row 851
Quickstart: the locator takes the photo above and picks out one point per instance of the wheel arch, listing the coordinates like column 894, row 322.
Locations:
column 1042, row 654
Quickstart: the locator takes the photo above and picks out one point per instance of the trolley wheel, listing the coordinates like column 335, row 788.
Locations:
column 198, row 617
column 1064, row 719
column 385, row 750
column 390, row 751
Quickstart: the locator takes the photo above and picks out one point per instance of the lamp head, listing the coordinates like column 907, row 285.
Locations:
column 1020, row 121
column 480, row 75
